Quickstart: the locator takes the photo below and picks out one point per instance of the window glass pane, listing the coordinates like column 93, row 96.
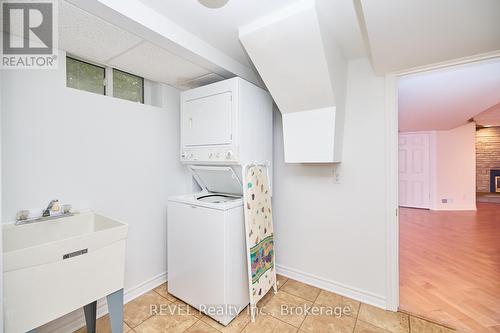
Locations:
column 85, row 76
column 128, row 86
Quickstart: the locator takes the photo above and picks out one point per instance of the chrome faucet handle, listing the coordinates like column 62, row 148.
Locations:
column 22, row 215
column 66, row 209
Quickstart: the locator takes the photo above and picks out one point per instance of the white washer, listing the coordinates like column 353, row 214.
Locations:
column 207, row 265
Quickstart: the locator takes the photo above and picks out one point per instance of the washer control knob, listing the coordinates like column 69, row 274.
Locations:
column 229, row 154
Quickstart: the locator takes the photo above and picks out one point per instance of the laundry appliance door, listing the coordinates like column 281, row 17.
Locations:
column 207, row 121
column 196, row 254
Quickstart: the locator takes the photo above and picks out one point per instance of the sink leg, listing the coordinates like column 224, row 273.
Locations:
column 90, row 311
column 115, row 309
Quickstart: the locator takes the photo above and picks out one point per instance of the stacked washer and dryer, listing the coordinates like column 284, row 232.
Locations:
column 224, row 126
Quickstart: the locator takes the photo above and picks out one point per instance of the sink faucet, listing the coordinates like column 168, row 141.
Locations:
column 47, row 210
column 23, row 216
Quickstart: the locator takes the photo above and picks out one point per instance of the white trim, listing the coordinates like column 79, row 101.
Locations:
column 392, row 229
column 450, row 63
column 433, row 169
column 75, row 320
column 392, row 169
column 108, row 81
column 333, row 286
column 441, row 207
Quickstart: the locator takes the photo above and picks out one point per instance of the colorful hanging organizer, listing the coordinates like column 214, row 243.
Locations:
column 259, row 233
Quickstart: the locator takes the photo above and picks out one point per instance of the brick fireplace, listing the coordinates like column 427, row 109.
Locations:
column 495, row 181
column 487, row 158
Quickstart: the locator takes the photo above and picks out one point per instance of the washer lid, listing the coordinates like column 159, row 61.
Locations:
column 217, row 179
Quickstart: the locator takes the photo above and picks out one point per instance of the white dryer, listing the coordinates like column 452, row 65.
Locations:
column 207, row 265
column 224, row 126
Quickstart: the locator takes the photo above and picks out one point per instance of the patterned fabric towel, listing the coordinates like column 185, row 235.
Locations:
column 259, row 232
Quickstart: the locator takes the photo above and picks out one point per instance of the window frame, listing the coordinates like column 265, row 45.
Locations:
column 124, row 72
column 105, row 79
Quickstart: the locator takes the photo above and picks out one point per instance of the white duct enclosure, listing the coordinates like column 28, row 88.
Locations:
column 295, row 52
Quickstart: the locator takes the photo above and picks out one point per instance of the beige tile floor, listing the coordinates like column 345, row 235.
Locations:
column 178, row 317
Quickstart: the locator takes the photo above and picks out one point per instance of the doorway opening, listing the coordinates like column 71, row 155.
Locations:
column 448, row 155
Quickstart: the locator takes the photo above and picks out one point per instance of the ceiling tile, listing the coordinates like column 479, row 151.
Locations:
column 157, row 64
column 89, row 37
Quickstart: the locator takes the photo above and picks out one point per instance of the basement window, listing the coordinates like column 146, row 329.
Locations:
column 103, row 80
column 85, row 76
column 128, row 86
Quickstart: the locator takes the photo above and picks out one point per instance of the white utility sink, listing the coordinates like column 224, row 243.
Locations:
column 53, row 267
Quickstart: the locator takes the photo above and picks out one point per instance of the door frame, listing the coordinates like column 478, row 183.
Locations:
column 392, row 173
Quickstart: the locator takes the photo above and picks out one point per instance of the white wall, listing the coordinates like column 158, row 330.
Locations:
column 334, row 235
column 114, row 156
column 456, row 168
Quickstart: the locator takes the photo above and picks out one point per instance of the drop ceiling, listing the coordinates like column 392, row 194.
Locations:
column 89, row 37
column 447, row 98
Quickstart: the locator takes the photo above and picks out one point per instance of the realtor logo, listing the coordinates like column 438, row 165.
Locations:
column 29, row 34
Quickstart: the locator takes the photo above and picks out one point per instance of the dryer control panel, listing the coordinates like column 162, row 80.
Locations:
column 210, row 155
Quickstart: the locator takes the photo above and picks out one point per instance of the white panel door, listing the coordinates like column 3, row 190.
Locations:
column 414, row 170
column 207, row 120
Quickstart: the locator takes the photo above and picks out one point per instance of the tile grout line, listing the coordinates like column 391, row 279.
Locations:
column 289, row 293
column 247, row 323
column 133, row 327
column 197, row 320
column 208, row 324
column 249, row 313
column 308, row 301
column 357, row 318
column 300, row 326
column 314, row 302
column 154, row 289
column 151, row 316
column 270, row 314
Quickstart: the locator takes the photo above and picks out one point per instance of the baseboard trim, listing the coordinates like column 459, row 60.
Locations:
column 76, row 320
column 336, row 287
column 456, row 207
